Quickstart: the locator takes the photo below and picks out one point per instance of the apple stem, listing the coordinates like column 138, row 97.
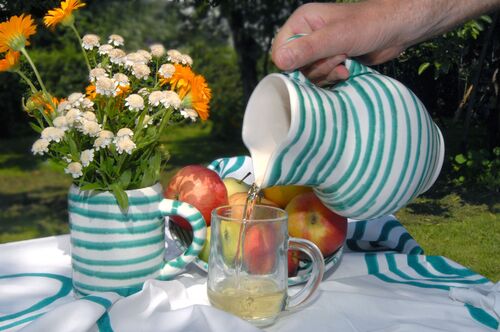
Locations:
column 248, row 174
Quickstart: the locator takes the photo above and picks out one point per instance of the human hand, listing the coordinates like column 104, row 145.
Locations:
column 334, row 31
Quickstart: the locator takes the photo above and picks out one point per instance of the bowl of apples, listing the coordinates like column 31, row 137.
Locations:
column 226, row 181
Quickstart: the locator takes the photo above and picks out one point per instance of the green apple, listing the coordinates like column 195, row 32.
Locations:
column 229, row 238
column 205, row 251
column 235, row 186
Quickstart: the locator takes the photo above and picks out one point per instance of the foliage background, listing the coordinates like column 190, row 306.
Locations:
column 456, row 76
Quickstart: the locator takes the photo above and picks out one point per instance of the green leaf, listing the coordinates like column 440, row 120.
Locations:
column 125, row 178
column 460, row 159
column 496, row 151
column 73, row 149
column 121, row 196
column 36, row 128
column 91, row 186
column 486, row 19
column 423, row 67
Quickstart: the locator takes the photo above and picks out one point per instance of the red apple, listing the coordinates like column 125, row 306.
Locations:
column 308, row 218
column 200, row 187
column 259, row 248
column 293, row 262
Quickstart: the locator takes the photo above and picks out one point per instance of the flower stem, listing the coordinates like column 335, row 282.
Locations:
column 24, row 77
column 81, row 45
column 37, row 74
column 38, row 77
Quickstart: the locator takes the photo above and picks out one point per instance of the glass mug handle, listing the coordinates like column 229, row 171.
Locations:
column 185, row 210
column 317, row 271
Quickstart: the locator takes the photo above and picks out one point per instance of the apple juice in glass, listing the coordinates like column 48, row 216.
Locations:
column 248, row 263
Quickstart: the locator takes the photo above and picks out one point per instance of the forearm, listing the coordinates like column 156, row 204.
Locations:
column 422, row 19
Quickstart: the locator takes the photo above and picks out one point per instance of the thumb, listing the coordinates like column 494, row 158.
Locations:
column 319, row 44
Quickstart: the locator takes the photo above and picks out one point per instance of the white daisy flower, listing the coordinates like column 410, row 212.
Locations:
column 124, row 144
column 174, row 56
column 61, row 122
column 105, row 86
column 97, row 72
column 104, row 49
column 186, row 60
column 166, row 70
column 146, row 122
column 89, row 116
column 90, row 41
column 156, row 97
column 75, row 99
column 40, row 146
column 104, row 140
column 134, row 102
column 87, row 103
column 75, row 169
column 145, row 54
column 143, row 92
column 124, row 132
column 53, row 134
column 121, row 79
column 140, row 70
column 133, row 58
column 171, row 99
column 72, row 116
column 157, row 50
column 116, row 40
column 189, row 113
column 63, row 106
column 90, row 128
column 87, row 157
column 117, row 56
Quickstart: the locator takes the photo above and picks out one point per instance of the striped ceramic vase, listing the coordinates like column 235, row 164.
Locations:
column 116, row 251
column 367, row 145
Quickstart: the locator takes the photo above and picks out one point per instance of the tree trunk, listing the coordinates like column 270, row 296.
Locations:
column 248, row 52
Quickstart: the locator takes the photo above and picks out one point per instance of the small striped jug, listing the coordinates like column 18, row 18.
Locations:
column 115, row 251
column 367, row 145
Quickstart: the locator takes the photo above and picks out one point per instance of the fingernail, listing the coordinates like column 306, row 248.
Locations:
column 285, row 58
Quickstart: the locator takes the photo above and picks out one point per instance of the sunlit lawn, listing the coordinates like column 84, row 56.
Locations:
column 462, row 226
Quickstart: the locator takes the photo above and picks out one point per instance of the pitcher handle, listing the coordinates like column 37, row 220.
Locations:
column 317, row 271
column 176, row 265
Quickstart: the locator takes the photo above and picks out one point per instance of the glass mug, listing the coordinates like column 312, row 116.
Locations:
column 248, row 264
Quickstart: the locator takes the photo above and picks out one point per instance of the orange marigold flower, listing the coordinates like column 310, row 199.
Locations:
column 10, row 62
column 181, row 80
column 200, row 96
column 40, row 102
column 63, row 14
column 90, row 91
column 15, row 33
column 123, row 91
column 49, row 107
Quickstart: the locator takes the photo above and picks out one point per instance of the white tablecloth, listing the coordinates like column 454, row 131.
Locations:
column 374, row 290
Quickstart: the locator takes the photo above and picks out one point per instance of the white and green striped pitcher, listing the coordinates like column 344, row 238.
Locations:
column 116, row 251
column 367, row 145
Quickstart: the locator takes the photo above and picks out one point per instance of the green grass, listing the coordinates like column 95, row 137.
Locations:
column 463, row 226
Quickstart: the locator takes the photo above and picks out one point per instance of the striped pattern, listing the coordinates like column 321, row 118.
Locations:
column 381, row 234
column 427, row 274
column 367, row 145
column 116, row 251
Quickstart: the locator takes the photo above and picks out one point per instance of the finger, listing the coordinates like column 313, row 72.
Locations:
column 378, row 57
column 329, row 41
column 303, row 21
column 340, row 73
column 320, row 69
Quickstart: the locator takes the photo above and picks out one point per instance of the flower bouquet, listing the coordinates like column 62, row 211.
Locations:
column 107, row 138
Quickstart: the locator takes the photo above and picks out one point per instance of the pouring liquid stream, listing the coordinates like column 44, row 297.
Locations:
column 252, row 197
